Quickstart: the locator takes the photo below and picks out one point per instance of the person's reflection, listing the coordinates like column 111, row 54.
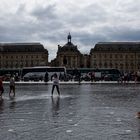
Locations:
column 13, row 103
column 1, row 105
column 138, row 122
column 55, row 105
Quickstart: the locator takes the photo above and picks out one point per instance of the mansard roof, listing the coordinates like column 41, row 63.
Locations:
column 68, row 47
column 22, row 47
column 69, row 44
column 117, row 46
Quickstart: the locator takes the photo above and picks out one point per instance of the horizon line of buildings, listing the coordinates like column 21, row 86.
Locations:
column 124, row 56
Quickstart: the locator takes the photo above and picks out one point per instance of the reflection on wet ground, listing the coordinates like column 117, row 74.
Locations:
column 82, row 112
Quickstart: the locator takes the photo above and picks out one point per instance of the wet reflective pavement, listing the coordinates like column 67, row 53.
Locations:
column 82, row 112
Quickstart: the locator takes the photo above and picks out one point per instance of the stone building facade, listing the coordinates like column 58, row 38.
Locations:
column 124, row 56
column 69, row 56
column 18, row 55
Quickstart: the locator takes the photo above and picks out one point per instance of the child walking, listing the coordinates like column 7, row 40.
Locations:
column 55, row 84
column 12, row 85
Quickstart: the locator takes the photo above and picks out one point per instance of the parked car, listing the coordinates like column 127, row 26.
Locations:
column 34, row 76
column 111, row 77
column 86, row 77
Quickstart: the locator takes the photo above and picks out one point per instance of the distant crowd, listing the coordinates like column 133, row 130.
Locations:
column 91, row 76
column 11, row 86
column 121, row 78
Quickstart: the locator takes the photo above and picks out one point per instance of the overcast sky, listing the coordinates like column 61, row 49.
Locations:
column 88, row 21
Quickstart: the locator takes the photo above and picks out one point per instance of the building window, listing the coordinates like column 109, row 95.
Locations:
column 100, row 64
column 105, row 65
column 94, row 64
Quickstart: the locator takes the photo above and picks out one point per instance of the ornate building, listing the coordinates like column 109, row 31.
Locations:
column 69, row 56
column 18, row 55
column 124, row 56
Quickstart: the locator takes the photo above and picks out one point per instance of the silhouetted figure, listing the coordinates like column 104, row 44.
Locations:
column 79, row 76
column 137, row 79
column 55, row 84
column 1, row 87
column 1, row 105
column 138, row 115
column 46, row 77
column 12, row 85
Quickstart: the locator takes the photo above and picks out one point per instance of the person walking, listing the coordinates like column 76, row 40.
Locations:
column 55, row 84
column 46, row 78
column 12, row 85
column 1, row 87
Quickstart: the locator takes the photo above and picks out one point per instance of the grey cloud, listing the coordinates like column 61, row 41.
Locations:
column 106, row 34
column 21, row 9
column 120, row 33
column 19, row 28
column 88, row 39
column 44, row 13
column 126, row 34
column 48, row 22
column 88, row 25
column 91, row 14
column 129, row 6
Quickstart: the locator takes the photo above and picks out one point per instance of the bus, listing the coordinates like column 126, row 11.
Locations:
column 99, row 74
column 38, row 73
column 87, row 70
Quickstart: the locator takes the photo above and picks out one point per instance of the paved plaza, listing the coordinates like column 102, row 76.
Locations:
column 82, row 112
